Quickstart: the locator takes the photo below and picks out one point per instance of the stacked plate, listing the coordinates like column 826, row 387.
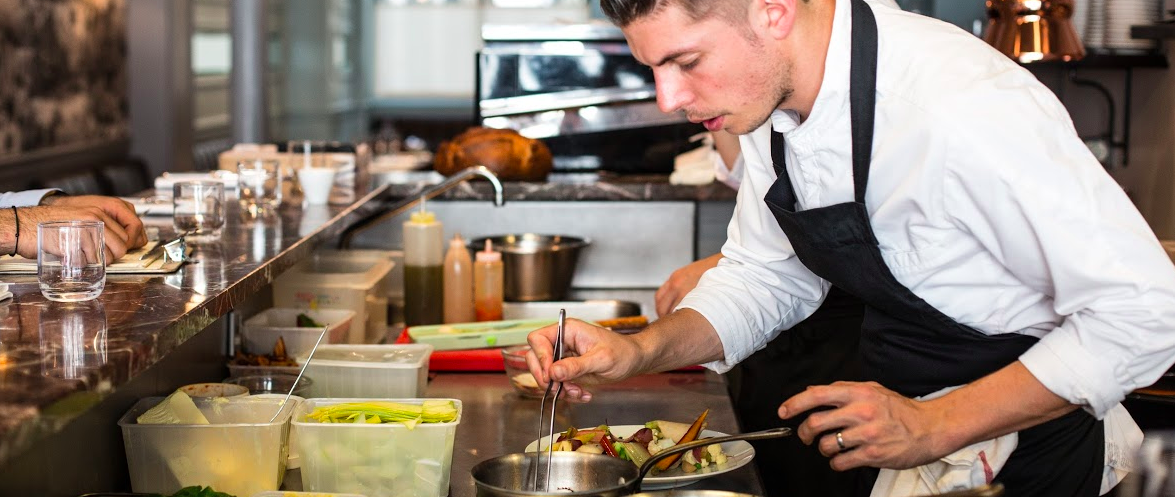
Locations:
column 1094, row 14
column 1120, row 15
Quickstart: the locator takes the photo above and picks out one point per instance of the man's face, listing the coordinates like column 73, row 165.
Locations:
column 719, row 73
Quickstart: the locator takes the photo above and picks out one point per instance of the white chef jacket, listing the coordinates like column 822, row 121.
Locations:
column 26, row 198
column 985, row 204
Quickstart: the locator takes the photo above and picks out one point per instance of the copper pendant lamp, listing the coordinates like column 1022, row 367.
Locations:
column 1033, row 30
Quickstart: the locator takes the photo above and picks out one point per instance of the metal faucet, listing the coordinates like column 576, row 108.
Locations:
column 406, row 204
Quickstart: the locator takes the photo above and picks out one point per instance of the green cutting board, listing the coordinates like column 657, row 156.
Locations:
column 463, row 336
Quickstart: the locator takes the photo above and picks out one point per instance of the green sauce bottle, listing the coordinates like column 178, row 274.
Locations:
column 424, row 286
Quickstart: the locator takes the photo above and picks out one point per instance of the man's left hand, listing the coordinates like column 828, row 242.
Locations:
column 877, row 426
column 120, row 210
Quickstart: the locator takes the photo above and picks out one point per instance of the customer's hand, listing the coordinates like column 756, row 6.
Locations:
column 116, row 235
column 681, row 282
column 118, row 210
column 591, row 355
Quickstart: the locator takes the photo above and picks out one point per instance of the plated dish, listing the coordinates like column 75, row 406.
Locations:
column 739, row 453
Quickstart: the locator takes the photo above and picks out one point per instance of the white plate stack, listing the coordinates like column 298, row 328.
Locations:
column 1121, row 15
column 1094, row 14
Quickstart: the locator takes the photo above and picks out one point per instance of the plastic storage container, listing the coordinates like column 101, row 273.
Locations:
column 259, row 333
column 286, row 493
column 368, row 371
column 377, row 460
column 340, row 281
column 241, row 452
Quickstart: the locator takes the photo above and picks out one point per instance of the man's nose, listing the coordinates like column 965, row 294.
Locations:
column 671, row 94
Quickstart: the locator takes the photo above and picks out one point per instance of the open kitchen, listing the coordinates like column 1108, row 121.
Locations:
column 380, row 248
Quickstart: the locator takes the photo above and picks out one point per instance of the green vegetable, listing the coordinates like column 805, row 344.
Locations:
column 305, row 321
column 431, row 411
column 198, row 491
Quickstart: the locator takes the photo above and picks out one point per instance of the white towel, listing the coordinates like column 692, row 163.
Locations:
column 695, row 167
column 977, row 464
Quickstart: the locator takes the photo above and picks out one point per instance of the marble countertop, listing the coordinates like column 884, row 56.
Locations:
column 561, row 187
column 57, row 358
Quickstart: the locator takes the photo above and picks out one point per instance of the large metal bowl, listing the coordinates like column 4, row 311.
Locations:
column 574, row 473
column 537, row 267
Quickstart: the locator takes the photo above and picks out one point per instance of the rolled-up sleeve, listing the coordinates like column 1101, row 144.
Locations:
column 760, row 286
column 1058, row 222
column 27, row 198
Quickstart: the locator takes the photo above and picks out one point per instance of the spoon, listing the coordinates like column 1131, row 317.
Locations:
column 282, row 404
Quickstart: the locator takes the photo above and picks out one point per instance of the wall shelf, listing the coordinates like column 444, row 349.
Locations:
column 1163, row 31
column 1111, row 61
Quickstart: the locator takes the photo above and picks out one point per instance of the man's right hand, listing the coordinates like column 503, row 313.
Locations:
column 591, row 355
column 115, row 234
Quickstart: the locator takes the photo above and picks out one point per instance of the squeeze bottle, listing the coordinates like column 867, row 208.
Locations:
column 488, row 284
column 458, row 283
column 423, row 274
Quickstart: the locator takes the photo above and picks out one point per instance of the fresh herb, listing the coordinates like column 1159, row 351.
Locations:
column 198, row 491
column 305, row 321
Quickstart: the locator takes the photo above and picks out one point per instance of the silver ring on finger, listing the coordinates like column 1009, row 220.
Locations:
column 840, row 441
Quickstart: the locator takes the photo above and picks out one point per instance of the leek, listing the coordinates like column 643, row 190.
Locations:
column 431, row 411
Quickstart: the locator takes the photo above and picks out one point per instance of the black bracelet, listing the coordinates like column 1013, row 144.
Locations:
column 16, row 219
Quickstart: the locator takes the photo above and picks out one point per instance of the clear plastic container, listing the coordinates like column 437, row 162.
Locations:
column 368, row 371
column 377, row 460
column 286, row 493
column 340, row 281
column 241, row 452
column 260, row 333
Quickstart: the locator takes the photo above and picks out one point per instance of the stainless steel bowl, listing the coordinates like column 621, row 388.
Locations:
column 573, row 473
column 537, row 267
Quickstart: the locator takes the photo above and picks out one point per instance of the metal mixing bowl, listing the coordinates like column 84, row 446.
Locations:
column 537, row 267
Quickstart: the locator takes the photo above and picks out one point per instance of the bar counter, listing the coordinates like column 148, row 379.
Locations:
column 497, row 421
column 59, row 360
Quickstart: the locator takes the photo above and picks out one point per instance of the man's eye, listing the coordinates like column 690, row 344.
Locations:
column 689, row 65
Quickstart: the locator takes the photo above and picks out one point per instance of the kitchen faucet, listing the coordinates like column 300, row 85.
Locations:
column 406, row 204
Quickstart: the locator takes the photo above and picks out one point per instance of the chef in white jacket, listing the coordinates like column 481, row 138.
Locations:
column 1014, row 294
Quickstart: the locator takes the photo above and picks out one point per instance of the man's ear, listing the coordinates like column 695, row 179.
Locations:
column 775, row 17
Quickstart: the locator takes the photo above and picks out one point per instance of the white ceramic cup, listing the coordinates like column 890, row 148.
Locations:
column 316, row 183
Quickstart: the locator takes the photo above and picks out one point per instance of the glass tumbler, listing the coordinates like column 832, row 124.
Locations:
column 260, row 184
column 71, row 260
column 199, row 208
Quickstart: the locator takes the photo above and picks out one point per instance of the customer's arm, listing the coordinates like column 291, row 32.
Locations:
column 18, row 228
column 121, row 212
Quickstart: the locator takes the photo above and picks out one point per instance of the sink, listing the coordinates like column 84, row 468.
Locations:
column 587, row 310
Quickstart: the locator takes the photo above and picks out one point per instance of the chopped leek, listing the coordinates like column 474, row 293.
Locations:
column 431, row 411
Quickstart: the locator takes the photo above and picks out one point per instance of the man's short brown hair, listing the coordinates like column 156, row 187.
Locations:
column 624, row 12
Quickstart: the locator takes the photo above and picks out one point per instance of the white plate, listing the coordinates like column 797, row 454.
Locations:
column 738, row 454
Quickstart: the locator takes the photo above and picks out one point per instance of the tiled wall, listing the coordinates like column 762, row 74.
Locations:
column 62, row 73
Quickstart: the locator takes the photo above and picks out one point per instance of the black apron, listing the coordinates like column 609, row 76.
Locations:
column 906, row 344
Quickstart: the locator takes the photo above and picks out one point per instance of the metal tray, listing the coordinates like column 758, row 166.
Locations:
column 587, row 310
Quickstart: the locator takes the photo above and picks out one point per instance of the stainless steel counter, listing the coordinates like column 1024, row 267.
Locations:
column 495, row 420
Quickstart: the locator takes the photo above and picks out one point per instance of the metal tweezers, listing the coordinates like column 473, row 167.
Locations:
column 558, row 387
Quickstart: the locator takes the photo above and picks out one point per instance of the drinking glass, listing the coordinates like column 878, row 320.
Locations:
column 260, row 184
column 199, row 208
column 71, row 260
column 1154, row 468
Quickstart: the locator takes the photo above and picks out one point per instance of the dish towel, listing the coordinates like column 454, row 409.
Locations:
column 977, row 464
column 695, row 167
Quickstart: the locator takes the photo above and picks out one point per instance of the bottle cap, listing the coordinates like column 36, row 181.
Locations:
column 457, row 243
column 422, row 217
column 488, row 255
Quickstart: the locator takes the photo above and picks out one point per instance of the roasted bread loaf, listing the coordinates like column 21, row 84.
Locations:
column 509, row 155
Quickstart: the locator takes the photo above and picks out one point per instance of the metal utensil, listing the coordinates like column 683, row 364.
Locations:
column 302, row 371
column 558, row 387
column 166, row 246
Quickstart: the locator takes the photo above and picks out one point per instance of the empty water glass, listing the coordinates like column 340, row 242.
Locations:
column 199, row 208
column 71, row 260
column 260, row 184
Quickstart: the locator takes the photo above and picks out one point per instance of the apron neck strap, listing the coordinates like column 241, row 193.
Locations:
column 862, row 92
